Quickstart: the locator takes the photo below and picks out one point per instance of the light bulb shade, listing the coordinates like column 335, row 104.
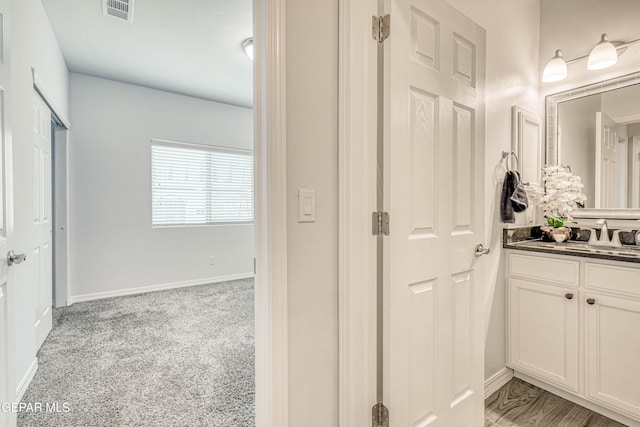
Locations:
column 603, row 55
column 556, row 68
column 247, row 45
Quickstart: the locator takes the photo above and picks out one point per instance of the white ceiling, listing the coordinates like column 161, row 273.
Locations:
column 191, row 47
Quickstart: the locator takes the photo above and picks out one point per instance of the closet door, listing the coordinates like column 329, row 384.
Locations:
column 41, row 256
column 433, row 186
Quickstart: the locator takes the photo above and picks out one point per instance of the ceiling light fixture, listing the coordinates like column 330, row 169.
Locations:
column 603, row 55
column 247, row 45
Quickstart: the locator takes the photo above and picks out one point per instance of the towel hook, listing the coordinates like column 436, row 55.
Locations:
column 505, row 155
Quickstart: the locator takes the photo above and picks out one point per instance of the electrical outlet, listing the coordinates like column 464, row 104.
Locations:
column 212, row 260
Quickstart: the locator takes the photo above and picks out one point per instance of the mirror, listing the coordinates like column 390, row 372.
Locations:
column 595, row 130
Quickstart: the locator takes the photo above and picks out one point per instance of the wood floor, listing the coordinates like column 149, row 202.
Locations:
column 519, row 403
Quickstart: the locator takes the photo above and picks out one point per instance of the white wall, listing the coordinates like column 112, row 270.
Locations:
column 312, row 160
column 32, row 45
column 633, row 129
column 512, row 79
column 621, row 104
column 113, row 246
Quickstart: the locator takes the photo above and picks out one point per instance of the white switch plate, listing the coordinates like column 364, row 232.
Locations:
column 306, row 205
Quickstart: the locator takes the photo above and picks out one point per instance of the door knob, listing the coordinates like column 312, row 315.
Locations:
column 568, row 296
column 481, row 250
column 591, row 301
column 12, row 258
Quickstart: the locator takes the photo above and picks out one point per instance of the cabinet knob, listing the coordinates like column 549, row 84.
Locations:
column 568, row 296
column 591, row 301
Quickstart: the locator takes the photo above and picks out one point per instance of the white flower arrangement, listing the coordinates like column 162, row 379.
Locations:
column 561, row 194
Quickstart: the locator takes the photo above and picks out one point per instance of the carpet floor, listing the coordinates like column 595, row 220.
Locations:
column 182, row 357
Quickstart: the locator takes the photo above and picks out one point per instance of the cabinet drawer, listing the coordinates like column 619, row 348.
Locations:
column 612, row 278
column 560, row 271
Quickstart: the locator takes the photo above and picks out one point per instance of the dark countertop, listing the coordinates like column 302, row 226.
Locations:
column 531, row 239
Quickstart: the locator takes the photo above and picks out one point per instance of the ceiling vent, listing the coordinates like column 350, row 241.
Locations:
column 121, row 9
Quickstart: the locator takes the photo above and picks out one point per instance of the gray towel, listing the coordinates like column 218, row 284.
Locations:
column 519, row 200
column 514, row 197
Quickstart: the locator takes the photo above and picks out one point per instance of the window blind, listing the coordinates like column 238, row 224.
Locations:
column 196, row 186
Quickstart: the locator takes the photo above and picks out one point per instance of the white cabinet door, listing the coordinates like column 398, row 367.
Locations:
column 613, row 352
column 543, row 332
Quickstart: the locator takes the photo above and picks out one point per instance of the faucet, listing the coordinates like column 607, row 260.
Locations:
column 615, row 240
column 604, row 234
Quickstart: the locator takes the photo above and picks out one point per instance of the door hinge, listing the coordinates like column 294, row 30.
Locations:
column 380, row 223
column 380, row 27
column 379, row 415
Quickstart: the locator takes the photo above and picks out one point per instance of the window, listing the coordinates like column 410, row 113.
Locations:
column 196, row 185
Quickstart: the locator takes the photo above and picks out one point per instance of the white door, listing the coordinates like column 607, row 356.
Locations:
column 433, row 185
column 5, row 395
column 7, row 293
column 41, row 257
column 607, row 167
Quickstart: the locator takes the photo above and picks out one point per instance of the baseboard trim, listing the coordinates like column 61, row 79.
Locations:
column 154, row 288
column 497, row 380
column 26, row 380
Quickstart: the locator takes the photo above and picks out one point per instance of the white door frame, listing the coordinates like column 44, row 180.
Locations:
column 59, row 198
column 358, row 73
column 271, row 214
column 357, row 200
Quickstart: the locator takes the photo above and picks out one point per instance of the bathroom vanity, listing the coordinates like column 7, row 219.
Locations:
column 573, row 321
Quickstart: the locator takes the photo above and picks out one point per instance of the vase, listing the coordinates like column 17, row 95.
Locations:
column 556, row 234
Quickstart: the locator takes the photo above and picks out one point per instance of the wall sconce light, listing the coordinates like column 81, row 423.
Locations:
column 603, row 55
column 556, row 68
column 247, row 45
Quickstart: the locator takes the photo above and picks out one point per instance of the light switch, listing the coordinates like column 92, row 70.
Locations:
column 306, row 205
